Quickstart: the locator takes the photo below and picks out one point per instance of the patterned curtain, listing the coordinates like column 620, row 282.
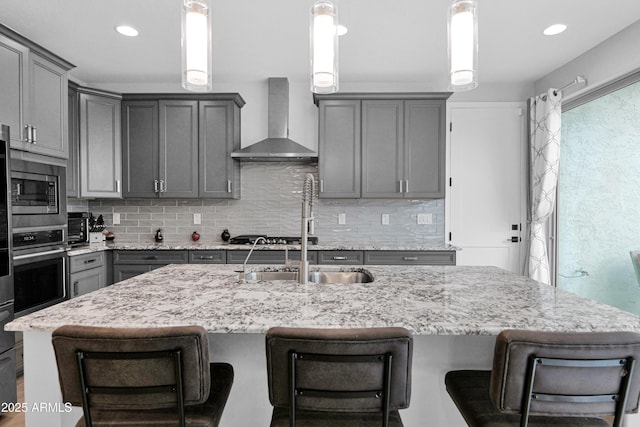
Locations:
column 544, row 142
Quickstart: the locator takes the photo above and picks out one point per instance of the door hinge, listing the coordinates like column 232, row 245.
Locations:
column 449, row 236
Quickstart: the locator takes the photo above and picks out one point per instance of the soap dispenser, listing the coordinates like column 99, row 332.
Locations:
column 159, row 237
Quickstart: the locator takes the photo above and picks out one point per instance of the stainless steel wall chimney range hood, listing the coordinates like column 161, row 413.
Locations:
column 277, row 147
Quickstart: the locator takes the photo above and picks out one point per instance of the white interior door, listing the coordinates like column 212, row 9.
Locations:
column 486, row 193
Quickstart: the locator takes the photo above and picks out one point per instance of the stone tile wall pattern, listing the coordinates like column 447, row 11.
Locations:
column 271, row 204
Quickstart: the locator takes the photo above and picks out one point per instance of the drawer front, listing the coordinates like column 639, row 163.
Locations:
column 151, row 257
column 340, row 257
column 410, row 257
column 86, row 261
column 8, row 391
column 267, row 256
column 87, row 281
column 208, row 257
column 126, row 271
column 7, row 339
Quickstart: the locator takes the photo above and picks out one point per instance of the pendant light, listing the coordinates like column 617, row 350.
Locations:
column 196, row 45
column 324, row 47
column 462, row 29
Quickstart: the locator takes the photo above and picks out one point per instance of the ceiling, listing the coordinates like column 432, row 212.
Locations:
column 399, row 41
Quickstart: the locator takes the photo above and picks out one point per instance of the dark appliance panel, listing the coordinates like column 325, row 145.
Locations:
column 39, row 280
column 38, row 194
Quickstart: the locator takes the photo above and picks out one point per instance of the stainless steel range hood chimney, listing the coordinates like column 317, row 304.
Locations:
column 277, row 147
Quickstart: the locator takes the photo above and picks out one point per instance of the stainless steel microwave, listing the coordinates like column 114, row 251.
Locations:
column 38, row 194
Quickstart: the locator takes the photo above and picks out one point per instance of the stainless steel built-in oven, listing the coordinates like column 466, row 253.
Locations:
column 38, row 194
column 39, row 267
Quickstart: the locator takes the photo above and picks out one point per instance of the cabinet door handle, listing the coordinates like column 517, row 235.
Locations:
column 89, row 261
column 117, row 185
column 162, row 188
column 340, row 258
column 34, row 135
column 75, row 288
column 155, row 185
column 410, row 258
column 406, row 186
column 322, row 185
column 206, row 257
column 27, row 133
column 401, row 186
column 150, row 257
column 228, row 186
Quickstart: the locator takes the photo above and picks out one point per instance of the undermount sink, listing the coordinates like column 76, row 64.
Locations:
column 314, row 276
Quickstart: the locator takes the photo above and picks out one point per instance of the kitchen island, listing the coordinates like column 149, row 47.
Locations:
column 454, row 313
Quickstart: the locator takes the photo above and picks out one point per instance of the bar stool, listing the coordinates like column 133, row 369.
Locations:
column 141, row 376
column 338, row 377
column 547, row 378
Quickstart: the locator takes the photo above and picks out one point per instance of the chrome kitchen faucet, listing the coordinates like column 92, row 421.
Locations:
column 307, row 225
column 244, row 264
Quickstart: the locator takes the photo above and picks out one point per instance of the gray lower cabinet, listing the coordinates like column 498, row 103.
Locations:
column 127, row 271
column 340, row 257
column 208, row 257
column 267, row 256
column 178, row 146
column 127, row 264
column 87, row 273
column 410, row 257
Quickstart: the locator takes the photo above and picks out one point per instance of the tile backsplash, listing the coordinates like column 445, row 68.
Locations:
column 271, row 204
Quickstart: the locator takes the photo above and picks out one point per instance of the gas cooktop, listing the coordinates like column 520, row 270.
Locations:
column 249, row 239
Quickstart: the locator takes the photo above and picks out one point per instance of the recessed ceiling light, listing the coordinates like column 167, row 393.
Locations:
column 342, row 30
column 554, row 29
column 126, row 30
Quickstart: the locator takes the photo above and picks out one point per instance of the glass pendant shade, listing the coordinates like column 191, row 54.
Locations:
column 196, row 46
column 462, row 29
column 324, row 47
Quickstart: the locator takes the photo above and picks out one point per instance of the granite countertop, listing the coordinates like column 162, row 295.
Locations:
column 225, row 246
column 427, row 300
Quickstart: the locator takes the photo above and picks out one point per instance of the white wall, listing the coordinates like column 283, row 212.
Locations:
column 611, row 59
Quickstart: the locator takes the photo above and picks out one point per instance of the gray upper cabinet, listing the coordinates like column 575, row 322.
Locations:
column 140, row 149
column 424, row 149
column 219, row 136
column 339, row 149
column 178, row 171
column 100, row 144
column 178, row 145
column 73, row 163
column 382, row 149
column 34, row 95
column 389, row 145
